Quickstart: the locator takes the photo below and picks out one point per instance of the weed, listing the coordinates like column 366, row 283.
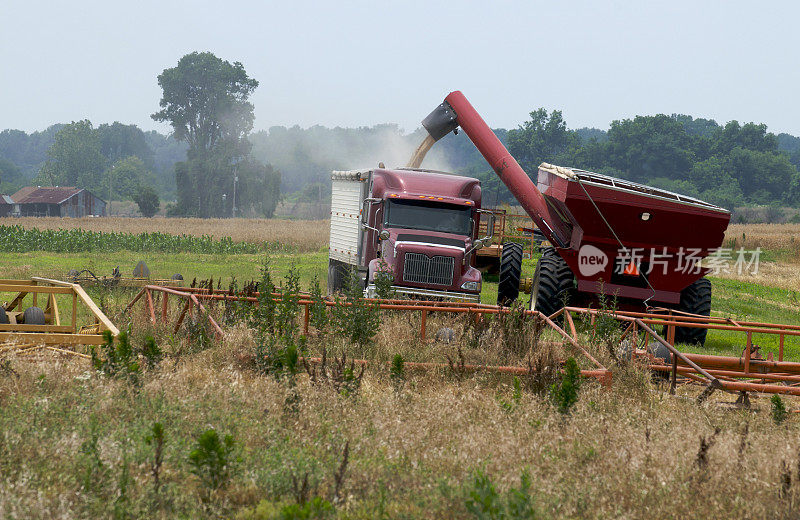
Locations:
column 785, row 479
column 384, row 281
column 151, row 352
column 565, row 393
column 397, row 373
column 779, row 413
column 116, row 360
column 354, row 318
column 212, row 461
column 516, row 397
column 743, row 444
column 93, row 471
column 6, row 369
column 338, row 477
column 485, row 502
column 313, row 509
column 318, row 310
column 701, row 460
column 123, row 483
column 342, row 378
column 156, row 439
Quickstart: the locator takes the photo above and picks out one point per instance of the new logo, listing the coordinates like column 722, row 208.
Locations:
column 591, row 260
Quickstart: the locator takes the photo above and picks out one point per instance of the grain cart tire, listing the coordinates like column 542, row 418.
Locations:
column 33, row 316
column 337, row 276
column 695, row 299
column 4, row 317
column 553, row 282
column 510, row 273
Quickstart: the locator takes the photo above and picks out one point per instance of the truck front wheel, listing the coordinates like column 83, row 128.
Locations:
column 510, row 273
column 553, row 283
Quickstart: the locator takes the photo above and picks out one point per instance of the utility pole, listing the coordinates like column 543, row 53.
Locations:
column 110, row 177
column 235, row 180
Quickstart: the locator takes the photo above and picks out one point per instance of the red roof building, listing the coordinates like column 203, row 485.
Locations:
column 49, row 201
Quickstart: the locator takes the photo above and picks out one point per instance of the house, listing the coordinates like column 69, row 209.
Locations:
column 48, row 201
column 6, row 206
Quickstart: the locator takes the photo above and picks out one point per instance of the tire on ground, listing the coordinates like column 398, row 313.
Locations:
column 337, row 276
column 695, row 299
column 510, row 273
column 33, row 316
column 553, row 283
column 4, row 316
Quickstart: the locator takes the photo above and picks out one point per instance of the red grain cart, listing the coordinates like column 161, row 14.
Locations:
column 609, row 236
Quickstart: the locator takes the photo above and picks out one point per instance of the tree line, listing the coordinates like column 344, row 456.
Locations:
column 213, row 165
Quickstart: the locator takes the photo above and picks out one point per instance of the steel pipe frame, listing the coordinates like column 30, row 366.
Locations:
column 707, row 366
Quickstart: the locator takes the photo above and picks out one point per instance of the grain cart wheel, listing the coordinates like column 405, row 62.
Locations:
column 4, row 316
column 553, row 283
column 33, row 316
column 337, row 276
column 695, row 299
column 510, row 273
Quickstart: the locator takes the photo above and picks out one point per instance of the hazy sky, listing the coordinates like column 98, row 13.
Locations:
column 361, row 63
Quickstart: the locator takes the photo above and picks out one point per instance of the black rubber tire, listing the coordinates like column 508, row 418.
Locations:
column 695, row 299
column 510, row 273
column 33, row 316
column 553, row 282
column 337, row 276
column 4, row 316
column 177, row 276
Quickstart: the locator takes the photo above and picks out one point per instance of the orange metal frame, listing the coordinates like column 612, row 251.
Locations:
column 748, row 373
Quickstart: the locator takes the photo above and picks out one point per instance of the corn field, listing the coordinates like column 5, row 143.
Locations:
column 17, row 239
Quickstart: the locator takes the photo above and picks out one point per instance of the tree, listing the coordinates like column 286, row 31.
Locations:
column 541, row 139
column 9, row 173
column 147, row 199
column 118, row 141
column 205, row 100
column 126, row 176
column 650, row 146
column 74, row 158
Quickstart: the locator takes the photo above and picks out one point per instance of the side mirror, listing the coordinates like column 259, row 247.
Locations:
column 383, row 235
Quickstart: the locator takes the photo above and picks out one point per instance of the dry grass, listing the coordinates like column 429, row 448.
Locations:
column 304, row 235
column 630, row 452
column 774, row 237
column 624, row 453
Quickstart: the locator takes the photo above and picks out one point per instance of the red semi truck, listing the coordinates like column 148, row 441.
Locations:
column 417, row 227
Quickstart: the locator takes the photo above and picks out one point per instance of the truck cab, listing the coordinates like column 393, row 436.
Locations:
column 417, row 228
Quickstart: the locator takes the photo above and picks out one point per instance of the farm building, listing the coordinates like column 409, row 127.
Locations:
column 47, row 201
column 6, row 206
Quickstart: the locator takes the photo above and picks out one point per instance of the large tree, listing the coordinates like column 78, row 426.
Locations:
column 205, row 99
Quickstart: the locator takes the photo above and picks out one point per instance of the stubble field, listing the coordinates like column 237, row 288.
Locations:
column 78, row 443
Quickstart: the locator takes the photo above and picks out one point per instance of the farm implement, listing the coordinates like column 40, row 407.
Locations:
column 609, row 236
column 31, row 318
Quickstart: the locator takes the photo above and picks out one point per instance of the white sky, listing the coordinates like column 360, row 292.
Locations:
column 362, row 63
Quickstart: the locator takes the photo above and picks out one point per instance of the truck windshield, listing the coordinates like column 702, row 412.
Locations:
column 429, row 216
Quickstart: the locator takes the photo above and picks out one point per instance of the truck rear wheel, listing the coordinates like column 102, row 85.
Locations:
column 337, row 276
column 695, row 299
column 510, row 273
column 553, row 283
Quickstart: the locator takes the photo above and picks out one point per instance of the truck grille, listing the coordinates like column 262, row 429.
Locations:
column 420, row 268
